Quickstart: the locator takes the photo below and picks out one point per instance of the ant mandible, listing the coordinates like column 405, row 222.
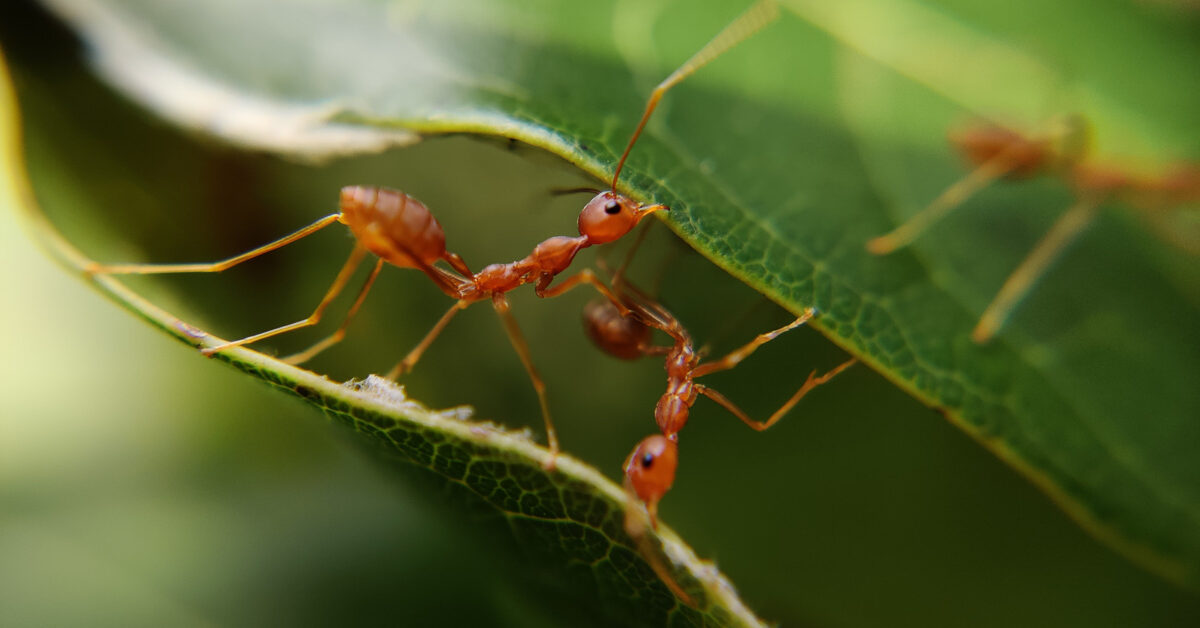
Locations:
column 399, row 230
column 1000, row 152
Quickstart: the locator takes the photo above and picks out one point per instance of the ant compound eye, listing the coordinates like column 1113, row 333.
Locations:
column 613, row 207
column 647, row 460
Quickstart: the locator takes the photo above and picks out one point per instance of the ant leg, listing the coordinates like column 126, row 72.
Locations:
column 737, row 355
column 812, row 382
column 951, row 198
column 618, row 276
column 336, row 337
column 356, row 257
column 584, row 276
column 500, row 302
column 743, row 26
column 1065, row 229
column 96, row 268
column 410, row 360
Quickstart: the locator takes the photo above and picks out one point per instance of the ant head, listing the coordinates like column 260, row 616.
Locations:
column 650, row 470
column 608, row 216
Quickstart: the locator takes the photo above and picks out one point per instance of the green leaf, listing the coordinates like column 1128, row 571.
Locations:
column 779, row 162
column 572, row 514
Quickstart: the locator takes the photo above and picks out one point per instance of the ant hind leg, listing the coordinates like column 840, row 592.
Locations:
column 336, row 336
column 347, row 271
column 96, row 268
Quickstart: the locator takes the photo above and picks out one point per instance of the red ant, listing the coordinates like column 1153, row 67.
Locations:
column 999, row 152
column 401, row 231
column 623, row 330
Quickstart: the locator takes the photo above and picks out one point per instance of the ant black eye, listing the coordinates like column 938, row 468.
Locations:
column 647, row 461
column 612, row 208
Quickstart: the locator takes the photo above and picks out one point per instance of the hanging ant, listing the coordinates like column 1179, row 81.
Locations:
column 1000, row 152
column 399, row 230
column 623, row 330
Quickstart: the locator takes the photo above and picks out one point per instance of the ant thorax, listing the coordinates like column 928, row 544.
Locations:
column 674, row 407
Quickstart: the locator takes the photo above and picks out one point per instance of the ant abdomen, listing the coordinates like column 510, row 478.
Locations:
column 393, row 225
column 622, row 337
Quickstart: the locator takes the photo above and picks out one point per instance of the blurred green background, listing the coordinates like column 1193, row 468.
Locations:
column 141, row 484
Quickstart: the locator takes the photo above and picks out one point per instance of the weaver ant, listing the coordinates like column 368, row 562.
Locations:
column 1000, row 152
column 399, row 230
column 623, row 329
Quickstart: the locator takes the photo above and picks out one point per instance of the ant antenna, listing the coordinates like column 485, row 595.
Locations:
column 745, row 25
column 574, row 190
